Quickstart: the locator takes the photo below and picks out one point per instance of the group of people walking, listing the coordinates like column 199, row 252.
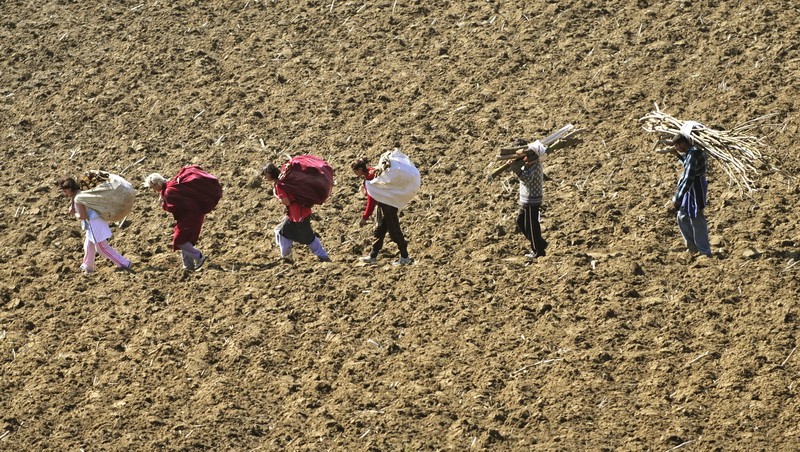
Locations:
column 296, row 225
column 689, row 200
column 189, row 212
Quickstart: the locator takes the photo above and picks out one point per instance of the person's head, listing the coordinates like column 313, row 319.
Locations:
column 530, row 158
column 69, row 186
column 359, row 167
column 270, row 172
column 681, row 143
column 155, row 182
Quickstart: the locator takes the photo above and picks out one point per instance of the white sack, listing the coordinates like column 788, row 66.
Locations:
column 112, row 199
column 397, row 183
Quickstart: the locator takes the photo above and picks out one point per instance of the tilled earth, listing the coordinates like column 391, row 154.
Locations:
column 617, row 339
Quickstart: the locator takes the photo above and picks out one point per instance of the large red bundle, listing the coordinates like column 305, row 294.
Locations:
column 193, row 190
column 308, row 178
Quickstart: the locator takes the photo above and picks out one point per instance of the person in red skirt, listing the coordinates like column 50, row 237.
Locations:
column 296, row 225
column 188, row 218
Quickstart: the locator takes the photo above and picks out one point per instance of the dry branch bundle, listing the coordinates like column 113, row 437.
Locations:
column 565, row 137
column 738, row 154
column 92, row 179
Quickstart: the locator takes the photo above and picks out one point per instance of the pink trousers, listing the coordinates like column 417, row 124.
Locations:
column 90, row 250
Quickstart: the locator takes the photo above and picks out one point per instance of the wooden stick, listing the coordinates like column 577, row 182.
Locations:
column 499, row 170
column 557, row 135
column 790, row 355
column 514, row 148
column 697, row 358
column 514, row 156
column 548, row 361
column 683, row 444
column 537, row 363
column 133, row 164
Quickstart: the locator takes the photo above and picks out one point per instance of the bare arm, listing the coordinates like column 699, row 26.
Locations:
column 80, row 211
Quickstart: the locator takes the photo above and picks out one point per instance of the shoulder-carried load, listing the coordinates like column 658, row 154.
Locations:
column 737, row 154
column 108, row 194
column 308, row 178
column 396, row 182
column 565, row 137
column 194, row 190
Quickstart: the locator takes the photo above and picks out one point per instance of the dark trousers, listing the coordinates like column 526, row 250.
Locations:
column 299, row 231
column 388, row 222
column 528, row 224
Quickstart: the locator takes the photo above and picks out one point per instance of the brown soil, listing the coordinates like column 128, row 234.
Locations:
column 615, row 340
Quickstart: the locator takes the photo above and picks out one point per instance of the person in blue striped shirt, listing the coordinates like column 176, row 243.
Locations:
column 690, row 197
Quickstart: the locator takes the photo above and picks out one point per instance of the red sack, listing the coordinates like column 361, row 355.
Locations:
column 308, row 178
column 192, row 190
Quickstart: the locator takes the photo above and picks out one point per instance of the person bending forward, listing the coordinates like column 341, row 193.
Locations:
column 296, row 225
column 97, row 230
column 388, row 219
column 188, row 221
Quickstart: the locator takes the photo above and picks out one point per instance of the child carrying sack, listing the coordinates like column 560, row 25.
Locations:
column 108, row 194
column 308, row 178
column 397, row 182
column 194, row 190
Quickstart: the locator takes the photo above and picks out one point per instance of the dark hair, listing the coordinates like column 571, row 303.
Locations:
column 360, row 164
column 271, row 170
column 678, row 138
column 68, row 183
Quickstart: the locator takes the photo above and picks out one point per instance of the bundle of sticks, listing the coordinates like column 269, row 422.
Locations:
column 737, row 153
column 92, row 179
column 565, row 137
